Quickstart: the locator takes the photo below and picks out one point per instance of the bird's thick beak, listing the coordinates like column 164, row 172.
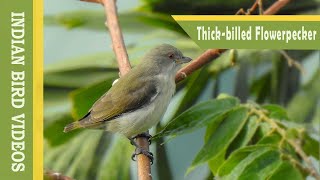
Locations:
column 183, row 60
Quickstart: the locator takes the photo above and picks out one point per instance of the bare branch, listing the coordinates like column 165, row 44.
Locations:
column 93, row 1
column 116, row 36
column 203, row 59
column 275, row 7
column 119, row 48
column 144, row 166
column 292, row 62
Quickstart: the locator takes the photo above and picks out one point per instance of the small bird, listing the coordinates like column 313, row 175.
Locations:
column 138, row 100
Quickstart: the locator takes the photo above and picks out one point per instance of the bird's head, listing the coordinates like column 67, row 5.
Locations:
column 166, row 58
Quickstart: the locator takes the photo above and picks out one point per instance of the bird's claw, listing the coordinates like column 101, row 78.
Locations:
column 144, row 152
column 145, row 135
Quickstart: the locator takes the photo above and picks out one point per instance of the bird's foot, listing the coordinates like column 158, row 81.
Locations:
column 145, row 135
column 140, row 150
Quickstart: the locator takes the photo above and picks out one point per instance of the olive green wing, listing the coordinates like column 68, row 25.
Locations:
column 119, row 100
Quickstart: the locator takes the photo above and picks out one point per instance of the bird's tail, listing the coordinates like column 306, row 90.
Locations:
column 72, row 126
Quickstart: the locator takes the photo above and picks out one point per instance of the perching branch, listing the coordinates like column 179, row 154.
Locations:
column 197, row 63
column 118, row 45
column 119, row 48
column 144, row 166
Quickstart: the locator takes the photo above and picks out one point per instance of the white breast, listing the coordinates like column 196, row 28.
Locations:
column 136, row 122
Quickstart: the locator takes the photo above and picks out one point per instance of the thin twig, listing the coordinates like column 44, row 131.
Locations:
column 275, row 7
column 197, row 63
column 93, row 1
column 250, row 10
column 118, row 45
column 292, row 62
column 260, row 4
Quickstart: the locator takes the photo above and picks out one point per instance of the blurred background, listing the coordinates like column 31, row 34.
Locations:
column 80, row 66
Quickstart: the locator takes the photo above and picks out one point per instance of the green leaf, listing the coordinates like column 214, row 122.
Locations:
column 197, row 116
column 287, row 171
column 270, row 139
column 216, row 162
column 69, row 158
column 222, row 137
column 53, row 131
column 97, row 61
column 245, row 135
column 187, row 94
column 93, row 20
column 161, row 21
column 316, row 117
column 262, row 166
column 260, row 87
column 275, row 139
column 132, row 21
column 56, row 103
column 303, row 103
column 240, row 158
column 253, row 162
column 276, row 111
column 83, row 99
column 83, row 156
column 193, row 88
column 311, row 146
column 116, row 162
column 77, row 78
column 263, row 130
column 241, row 140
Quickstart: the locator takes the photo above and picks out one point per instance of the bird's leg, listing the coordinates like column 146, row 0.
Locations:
column 145, row 135
column 140, row 150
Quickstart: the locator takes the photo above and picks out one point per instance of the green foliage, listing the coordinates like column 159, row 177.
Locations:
column 115, row 164
column 54, row 134
column 246, row 134
column 276, row 111
column 235, row 149
column 219, row 138
column 252, row 162
column 308, row 96
column 198, row 116
column 310, row 145
column 70, row 157
column 83, row 99
column 93, row 20
column 286, row 170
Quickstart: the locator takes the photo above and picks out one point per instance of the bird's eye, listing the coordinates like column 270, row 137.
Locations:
column 171, row 56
